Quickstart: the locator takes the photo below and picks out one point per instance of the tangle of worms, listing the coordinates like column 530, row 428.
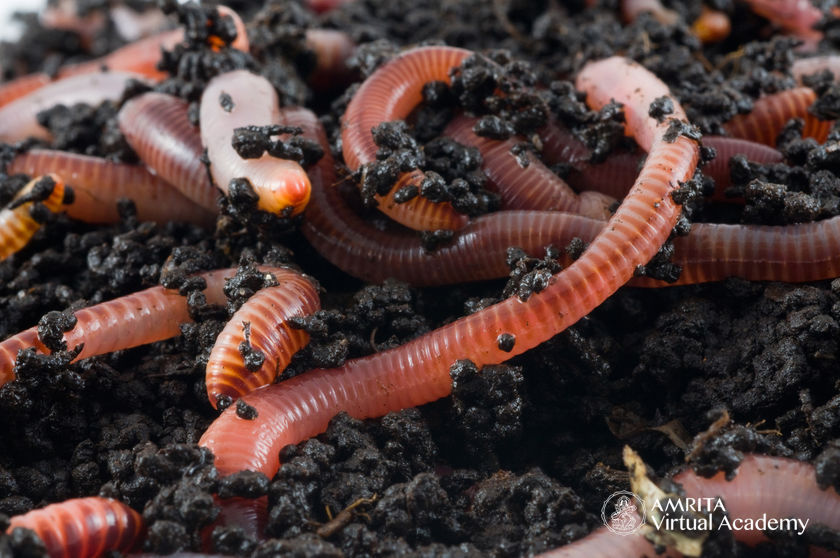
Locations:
column 391, row 93
column 158, row 128
column 773, row 487
column 418, row 371
column 261, row 329
column 235, row 100
column 99, row 184
column 83, row 527
column 17, row 223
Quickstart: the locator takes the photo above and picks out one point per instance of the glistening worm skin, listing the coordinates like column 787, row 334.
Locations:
column 418, row 372
column 151, row 315
column 391, row 93
column 140, row 56
column 234, row 100
column 17, row 224
column 770, row 114
column 83, row 527
column 157, row 127
column 531, row 187
column 266, row 316
column 775, row 486
column 18, row 120
column 98, row 184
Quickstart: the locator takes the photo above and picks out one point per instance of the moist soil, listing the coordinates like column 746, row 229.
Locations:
column 521, row 457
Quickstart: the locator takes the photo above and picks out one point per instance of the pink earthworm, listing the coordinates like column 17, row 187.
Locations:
column 531, row 187
column 157, row 127
column 770, row 114
column 262, row 323
column 139, row 57
column 18, row 119
column 631, row 9
column 150, row 315
column 98, row 184
column 418, row 372
column 615, row 175
column 238, row 99
column 797, row 17
column 755, row 491
column 83, row 527
column 806, row 66
column 332, row 50
column 17, row 224
column 391, row 93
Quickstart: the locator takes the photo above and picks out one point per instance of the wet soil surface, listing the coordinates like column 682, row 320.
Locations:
column 521, row 457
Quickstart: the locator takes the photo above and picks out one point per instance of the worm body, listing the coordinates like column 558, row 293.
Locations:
column 150, row 315
column 631, row 9
column 806, row 66
column 418, row 372
column 17, row 224
column 711, row 26
column 773, row 486
column 234, row 100
column 531, row 187
column 83, row 527
column 98, row 184
column 615, row 175
column 332, row 50
column 263, row 325
column 139, row 57
column 18, row 119
column 770, row 114
column 391, row 93
column 797, row 17
column 158, row 129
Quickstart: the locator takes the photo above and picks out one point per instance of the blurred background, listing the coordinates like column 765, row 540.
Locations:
column 8, row 30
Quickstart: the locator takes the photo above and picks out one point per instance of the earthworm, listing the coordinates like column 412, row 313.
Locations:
column 139, row 57
column 83, row 527
column 532, row 187
column 17, row 224
column 332, row 50
column 770, row 114
column 147, row 316
column 797, row 17
column 806, row 66
column 157, row 127
column 262, row 324
column 631, row 9
column 418, row 371
column 391, row 93
column 235, row 100
column 98, row 184
column 18, row 119
column 615, row 175
column 753, row 492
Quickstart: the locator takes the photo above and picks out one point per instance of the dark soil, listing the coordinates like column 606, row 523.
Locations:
column 521, row 457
